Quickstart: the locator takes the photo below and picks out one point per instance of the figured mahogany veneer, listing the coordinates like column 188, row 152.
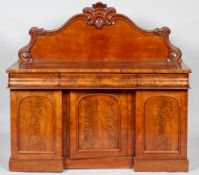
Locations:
column 123, row 81
column 99, row 92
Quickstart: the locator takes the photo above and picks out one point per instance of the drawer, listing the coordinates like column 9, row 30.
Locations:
column 98, row 80
column 136, row 81
column 163, row 80
column 33, row 80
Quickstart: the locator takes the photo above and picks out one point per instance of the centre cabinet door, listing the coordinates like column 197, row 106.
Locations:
column 100, row 124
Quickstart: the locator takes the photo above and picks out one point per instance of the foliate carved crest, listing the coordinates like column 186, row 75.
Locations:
column 99, row 15
column 25, row 55
column 162, row 31
column 174, row 53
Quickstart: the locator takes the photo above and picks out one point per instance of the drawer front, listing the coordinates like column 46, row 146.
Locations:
column 99, row 80
column 33, row 80
column 163, row 80
column 136, row 81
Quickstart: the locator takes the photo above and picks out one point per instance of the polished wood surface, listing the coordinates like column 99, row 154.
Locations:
column 161, row 165
column 99, row 124
column 36, row 127
column 98, row 81
column 116, row 39
column 161, row 123
column 99, row 92
column 107, row 44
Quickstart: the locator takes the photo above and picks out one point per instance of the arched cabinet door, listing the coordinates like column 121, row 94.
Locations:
column 36, row 130
column 99, row 124
column 161, row 129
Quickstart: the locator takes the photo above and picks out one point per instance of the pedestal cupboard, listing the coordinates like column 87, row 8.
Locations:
column 99, row 92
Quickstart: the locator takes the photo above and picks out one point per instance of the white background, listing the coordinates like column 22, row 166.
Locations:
column 181, row 16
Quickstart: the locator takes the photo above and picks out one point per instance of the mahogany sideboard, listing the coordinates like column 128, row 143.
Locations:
column 99, row 92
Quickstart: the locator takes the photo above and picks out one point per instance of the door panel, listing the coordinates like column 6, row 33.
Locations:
column 98, row 124
column 36, row 124
column 161, row 124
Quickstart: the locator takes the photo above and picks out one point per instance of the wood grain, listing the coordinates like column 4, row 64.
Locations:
column 107, row 162
column 161, row 165
column 36, row 125
column 97, row 81
column 98, row 124
column 100, row 67
column 161, row 124
column 33, row 112
column 36, row 80
column 101, row 44
column 36, row 165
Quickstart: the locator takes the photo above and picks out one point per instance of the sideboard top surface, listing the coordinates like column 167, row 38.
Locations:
column 133, row 67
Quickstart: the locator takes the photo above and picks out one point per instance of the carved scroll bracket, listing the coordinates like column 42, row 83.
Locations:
column 99, row 15
column 25, row 56
column 174, row 53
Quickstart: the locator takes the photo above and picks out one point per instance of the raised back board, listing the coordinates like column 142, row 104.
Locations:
column 99, row 34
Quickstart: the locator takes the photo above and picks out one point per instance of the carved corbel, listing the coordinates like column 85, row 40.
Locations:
column 25, row 56
column 174, row 53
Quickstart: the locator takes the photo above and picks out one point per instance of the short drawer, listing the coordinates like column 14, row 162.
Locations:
column 163, row 80
column 33, row 80
column 98, row 80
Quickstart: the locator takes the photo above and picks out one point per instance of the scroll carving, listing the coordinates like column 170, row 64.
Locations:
column 24, row 54
column 162, row 31
column 174, row 53
column 99, row 15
